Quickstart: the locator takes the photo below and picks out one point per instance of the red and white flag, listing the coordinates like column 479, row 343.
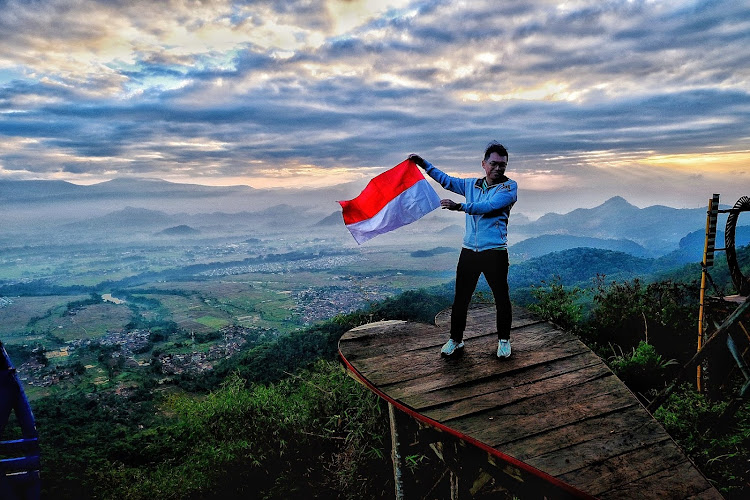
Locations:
column 393, row 199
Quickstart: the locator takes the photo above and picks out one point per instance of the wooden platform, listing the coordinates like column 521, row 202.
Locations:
column 554, row 409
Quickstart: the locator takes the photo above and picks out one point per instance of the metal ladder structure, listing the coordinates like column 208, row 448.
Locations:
column 19, row 458
column 720, row 318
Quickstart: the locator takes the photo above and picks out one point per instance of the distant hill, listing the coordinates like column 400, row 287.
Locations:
column 24, row 191
column 518, row 219
column 696, row 239
column 129, row 217
column 579, row 266
column 335, row 219
column 657, row 228
column 691, row 246
column 284, row 216
column 146, row 206
column 432, row 252
column 548, row 243
column 52, row 191
column 181, row 230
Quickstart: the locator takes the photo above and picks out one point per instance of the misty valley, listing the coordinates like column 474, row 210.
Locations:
column 128, row 296
column 101, row 284
column 180, row 306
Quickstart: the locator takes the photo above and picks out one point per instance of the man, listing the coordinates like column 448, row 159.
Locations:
column 485, row 246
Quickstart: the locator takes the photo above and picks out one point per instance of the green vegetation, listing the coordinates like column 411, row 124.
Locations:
column 275, row 421
column 316, row 434
column 642, row 368
column 273, row 361
column 212, row 322
column 277, row 418
column 557, row 304
column 646, row 331
column 720, row 449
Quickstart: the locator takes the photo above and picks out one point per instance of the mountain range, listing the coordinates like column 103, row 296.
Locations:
column 124, row 207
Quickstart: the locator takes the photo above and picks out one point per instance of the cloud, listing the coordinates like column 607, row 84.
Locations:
column 233, row 90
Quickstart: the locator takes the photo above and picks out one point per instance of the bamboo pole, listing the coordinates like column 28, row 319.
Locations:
column 698, row 374
column 708, row 251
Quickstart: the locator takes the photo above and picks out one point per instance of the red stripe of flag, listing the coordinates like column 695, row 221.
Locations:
column 380, row 190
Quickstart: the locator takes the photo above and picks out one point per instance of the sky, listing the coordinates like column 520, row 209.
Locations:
column 649, row 100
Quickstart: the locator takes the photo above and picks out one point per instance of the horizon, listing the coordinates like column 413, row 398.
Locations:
column 532, row 214
column 645, row 100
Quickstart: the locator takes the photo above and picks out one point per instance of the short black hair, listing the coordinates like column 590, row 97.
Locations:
column 495, row 147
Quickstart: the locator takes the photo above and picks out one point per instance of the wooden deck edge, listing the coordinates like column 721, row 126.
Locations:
column 563, row 490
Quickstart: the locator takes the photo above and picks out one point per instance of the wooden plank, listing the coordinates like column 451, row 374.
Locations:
column 680, row 481
column 415, row 336
column 468, row 399
column 420, row 393
column 531, row 416
column 554, row 405
column 408, row 337
column 601, row 427
column 593, row 451
column 380, row 349
column 390, row 369
column 615, row 472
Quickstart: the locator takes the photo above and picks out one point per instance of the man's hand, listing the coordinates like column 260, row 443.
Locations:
column 450, row 204
column 418, row 160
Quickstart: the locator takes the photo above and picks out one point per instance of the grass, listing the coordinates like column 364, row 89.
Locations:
column 259, row 303
column 89, row 322
column 15, row 317
column 212, row 322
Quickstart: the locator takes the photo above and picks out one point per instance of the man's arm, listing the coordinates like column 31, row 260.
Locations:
column 503, row 197
column 453, row 184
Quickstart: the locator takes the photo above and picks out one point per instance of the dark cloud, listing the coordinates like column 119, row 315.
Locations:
column 430, row 77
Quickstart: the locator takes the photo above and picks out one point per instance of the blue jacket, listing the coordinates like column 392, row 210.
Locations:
column 487, row 208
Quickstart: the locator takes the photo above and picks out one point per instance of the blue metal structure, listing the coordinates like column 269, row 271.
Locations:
column 19, row 462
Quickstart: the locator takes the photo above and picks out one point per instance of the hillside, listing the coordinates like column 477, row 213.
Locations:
column 314, row 429
column 549, row 243
column 657, row 228
column 181, row 230
column 579, row 266
column 117, row 210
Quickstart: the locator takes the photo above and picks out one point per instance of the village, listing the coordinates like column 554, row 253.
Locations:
column 130, row 350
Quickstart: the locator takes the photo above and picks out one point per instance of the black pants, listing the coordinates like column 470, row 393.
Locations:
column 494, row 265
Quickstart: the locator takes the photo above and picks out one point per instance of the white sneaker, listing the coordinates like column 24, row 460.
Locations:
column 450, row 348
column 503, row 348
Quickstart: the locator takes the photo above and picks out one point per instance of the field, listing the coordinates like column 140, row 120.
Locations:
column 93, row 317
column 20, row 319
column 88, row 322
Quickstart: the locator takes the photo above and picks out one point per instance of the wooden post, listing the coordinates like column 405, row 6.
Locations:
column 708, row 260
column 398, row 461
column 455, row 492
column 453, row 459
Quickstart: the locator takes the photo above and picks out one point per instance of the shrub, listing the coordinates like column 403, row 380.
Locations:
column 557, row 304
column 643, row 370
column 722, row 453
column 314, row 435
column 664, row 314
